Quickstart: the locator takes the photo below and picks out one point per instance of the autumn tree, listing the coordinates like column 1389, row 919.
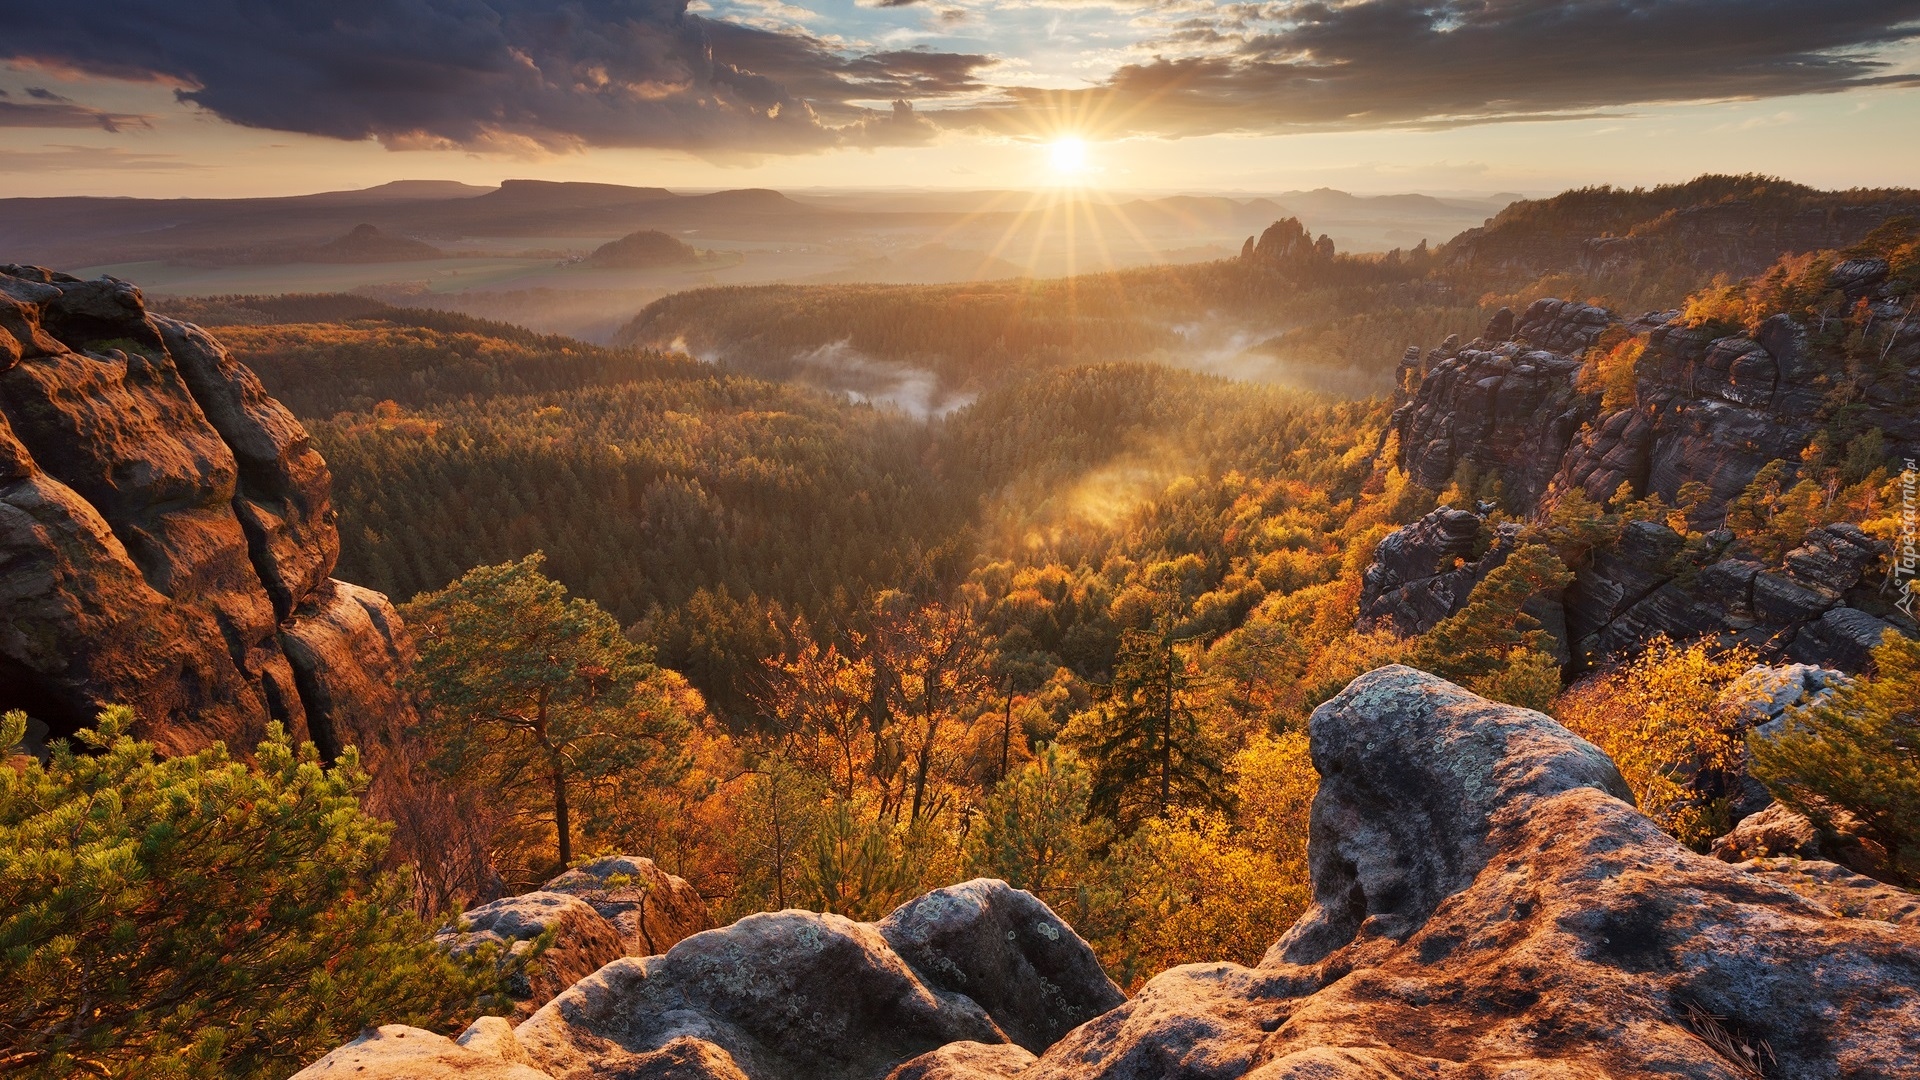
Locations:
column 822, row 699
column 199, row 916
column 538, row 698
column 931, row 664
column 1667, row 720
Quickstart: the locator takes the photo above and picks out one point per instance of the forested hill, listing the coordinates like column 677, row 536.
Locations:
column 1290, row 309
column 708, row 510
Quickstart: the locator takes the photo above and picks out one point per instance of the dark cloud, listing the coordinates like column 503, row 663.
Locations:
column 1429, row 63
column 61, row 113
column 41, row 93
column 490, row 74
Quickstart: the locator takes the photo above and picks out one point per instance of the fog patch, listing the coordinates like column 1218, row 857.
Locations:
column 1248, row 355
column 841, row 368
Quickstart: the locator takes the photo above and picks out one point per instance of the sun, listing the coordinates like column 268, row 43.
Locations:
column 1067, row 155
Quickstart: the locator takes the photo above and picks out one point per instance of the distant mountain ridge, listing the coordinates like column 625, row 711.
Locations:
column 1734, row 224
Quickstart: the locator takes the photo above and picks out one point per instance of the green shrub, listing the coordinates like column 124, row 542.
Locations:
column 198, row 916
column 1857, row 752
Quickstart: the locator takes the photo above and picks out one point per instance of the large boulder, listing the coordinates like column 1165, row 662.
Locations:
column 1487, row 903
column 486, row 1051
column 651, row 909
column 579, row 942
column 967, row 1061
column 795, row 994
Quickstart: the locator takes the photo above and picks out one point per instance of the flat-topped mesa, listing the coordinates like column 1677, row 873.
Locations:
column 166, row 537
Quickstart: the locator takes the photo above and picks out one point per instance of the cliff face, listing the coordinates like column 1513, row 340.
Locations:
column 1708, row 409
column 1487, row 902
column 166, row 540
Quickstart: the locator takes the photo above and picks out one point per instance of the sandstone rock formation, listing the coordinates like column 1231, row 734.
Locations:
column 581, row 942
column 1711, row 410
column 1486, row 904
column 166, row 538
column 596, row 913
column 799, row 995
column 395, row 1051
column 651, row 909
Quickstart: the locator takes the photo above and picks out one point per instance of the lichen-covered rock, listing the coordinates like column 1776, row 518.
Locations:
column 1412, row 770
column 651, row 909
column 967, row 1061
column 1486, row 904
column 800, row 995
column 1007, row 951
column 398, row 1052
column 1771, row 830
column 582, row 942
column 1839, row 889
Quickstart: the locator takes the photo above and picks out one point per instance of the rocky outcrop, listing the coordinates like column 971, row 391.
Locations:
column 578, row 942
column 651, row 909
column 1709, row 412
column 1487, row 903
column 795, row 994
column 967, row 1061
column 485, row 1051
column 166, row 538
column 1506, row 407
column 1427, row 571
column 589, row 916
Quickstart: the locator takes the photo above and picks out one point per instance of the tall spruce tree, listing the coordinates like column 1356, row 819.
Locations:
column 1146, row 743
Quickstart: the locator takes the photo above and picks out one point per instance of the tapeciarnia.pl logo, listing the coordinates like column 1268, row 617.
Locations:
column 1906, row 559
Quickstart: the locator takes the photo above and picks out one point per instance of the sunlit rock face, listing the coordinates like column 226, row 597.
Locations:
column 614, row 906
column 1709, row 411
column 166, row 538
column 1487, row 902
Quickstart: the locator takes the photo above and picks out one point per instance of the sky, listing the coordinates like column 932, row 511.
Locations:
column 166, row 98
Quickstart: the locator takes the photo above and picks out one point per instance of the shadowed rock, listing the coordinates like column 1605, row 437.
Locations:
column 796, row 994
column 166, row 538
column 581, row 942
column 1707, row 411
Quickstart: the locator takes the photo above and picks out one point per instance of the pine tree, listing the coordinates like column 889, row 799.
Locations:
column 1146, row 744
column 198, row 916
column 1858, row 752
column 540, row 698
